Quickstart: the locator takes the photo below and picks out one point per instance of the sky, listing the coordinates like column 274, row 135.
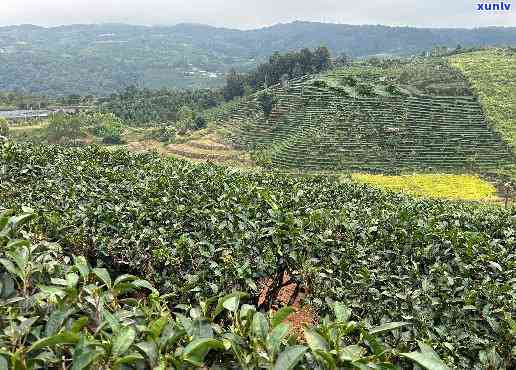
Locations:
column 247, row 14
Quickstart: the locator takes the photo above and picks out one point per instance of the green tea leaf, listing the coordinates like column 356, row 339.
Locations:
column 427, row 358
column 144, row 284
column 149, row 350
column 196, row 351
column 259, row 325
column 4, row 365
column 61, row 338
column 281, row 315
column 103, row 275
column 342, row 313
column 289, row 358
column 56, row 320
column 123, row 341
column 315, row 341
column 387, row 327
column 276, row 336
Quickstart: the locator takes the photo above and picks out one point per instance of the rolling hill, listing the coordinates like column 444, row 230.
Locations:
column 492, row 74
column 101, row 59
column 421, row 115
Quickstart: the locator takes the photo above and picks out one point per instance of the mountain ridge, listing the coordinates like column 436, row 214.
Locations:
column 104, row 58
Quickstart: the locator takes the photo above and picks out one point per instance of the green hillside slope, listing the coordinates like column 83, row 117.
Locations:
column 367, row 118
column 492, row 74
column 101, row 59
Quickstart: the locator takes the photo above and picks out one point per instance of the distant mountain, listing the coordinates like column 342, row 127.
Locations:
column 101, row 59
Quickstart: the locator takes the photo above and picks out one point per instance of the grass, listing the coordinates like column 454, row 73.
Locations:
column 493, row 77
column 461, row 187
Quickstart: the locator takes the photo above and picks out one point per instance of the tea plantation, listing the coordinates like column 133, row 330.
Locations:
column 447, row 268
column 492, row 74
column 420, row 115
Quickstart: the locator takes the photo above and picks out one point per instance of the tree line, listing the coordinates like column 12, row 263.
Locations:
column 158, row 106
column 278, row 68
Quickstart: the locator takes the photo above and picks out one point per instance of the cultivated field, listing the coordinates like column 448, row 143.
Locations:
column 360, row 119
column 464, row 187
column 443, row 271
column 492, row 74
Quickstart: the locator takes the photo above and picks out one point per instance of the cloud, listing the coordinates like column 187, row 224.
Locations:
column 251, row 14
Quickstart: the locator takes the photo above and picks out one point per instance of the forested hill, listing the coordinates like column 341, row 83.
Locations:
column 100, row 59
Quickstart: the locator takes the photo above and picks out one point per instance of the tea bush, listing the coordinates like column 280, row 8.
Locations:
column 196, row 231
column 59, row 312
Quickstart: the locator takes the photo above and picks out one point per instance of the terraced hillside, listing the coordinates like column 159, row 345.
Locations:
column 209, row 148
column 366, row 118
column 492, row 74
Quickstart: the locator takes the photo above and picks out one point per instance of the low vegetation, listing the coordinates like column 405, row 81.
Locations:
column 465, row 187
column 58, row 310
column 4, row 127
column 198, row 231
column 492, row 75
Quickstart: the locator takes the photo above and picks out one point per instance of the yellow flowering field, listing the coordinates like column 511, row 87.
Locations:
column 464, row 187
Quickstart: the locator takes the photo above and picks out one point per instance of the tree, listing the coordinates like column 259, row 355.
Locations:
column 344, row 60
column 267, row 102
column 109, row 127
column 322, row 59
column 64, row 129
column 185, row 114
column 306, row 59
column 235, row 86
column 297, row 71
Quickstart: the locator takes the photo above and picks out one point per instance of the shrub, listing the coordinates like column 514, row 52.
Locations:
column 262, row 158
column 112, row 134
column 65, row 129
column 199, row 230
column 109, row 127
column 267, row 102
column 4, row 127
column 365, row 89
column 163, row 134
column 320, row 83
column 58, row 311
column 349, row 81
column 200, row 122
column 393, row 89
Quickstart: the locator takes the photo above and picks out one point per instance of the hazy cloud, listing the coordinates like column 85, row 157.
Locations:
column 252, row 14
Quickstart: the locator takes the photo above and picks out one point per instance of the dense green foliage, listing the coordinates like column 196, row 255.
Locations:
column 18, row 100
column 65, row 129
column 198, row 230
column 492, row 75
column 58, row 311
column 289, row 66
column 12, row 101
column 4, row 127
column 102, row 59
column 72, row 129
column 160, row 106
column 279, row 68
column 267, row 102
